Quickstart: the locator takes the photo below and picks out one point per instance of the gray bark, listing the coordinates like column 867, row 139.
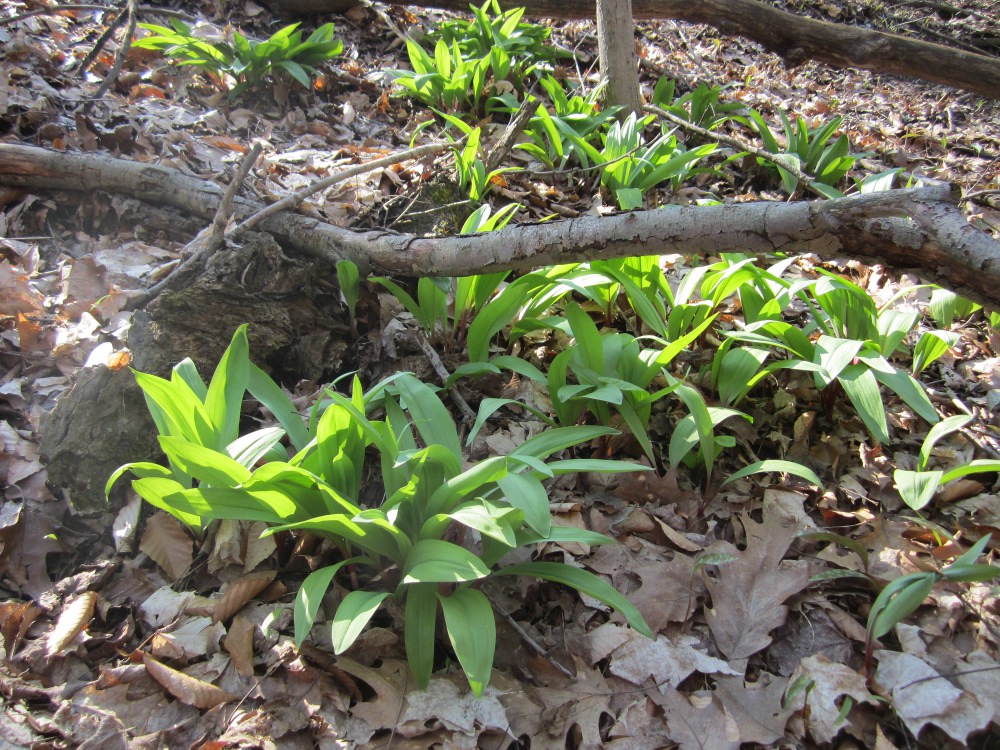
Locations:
column 619, row 62
column 920, row 229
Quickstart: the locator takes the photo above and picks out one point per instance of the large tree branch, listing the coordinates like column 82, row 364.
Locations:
column 919, row 229
column 795, row 38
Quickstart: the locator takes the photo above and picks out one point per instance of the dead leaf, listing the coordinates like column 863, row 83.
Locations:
column 75, row 618
column 748, row 594
column 698, row 723
column 168, row 544
column 921, row 696
column 669, row 591
column 239, row 644
column 184, row 688
column 827, row 682
column 15, row 619
column 238, row 593
column 756, row 706
column 194, row 638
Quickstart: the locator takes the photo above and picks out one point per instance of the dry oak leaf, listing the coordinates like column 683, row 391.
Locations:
column 699, row 721
column 921, row 696
column 756, row 706
column 167, row 544
column 75, row 618
column 748, row 593
column 185, row 688
column 828, row 680
column 239, row 644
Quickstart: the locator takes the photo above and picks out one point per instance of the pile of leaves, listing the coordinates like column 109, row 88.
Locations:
column 126, row 629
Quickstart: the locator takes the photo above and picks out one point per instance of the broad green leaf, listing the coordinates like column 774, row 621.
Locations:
column 437, row 561
column 544, row 444
column 204, row 464
column 468, row 618
column 526, row 493
column 908, row 389
column 861, row 386
column 270, row 395
column 233, row 504
column 489, row 406
column 938, row 431
column 225, row 393
column 311, row 594
column 898, row 600
column 159, row 492
column 785, row 467
column 932, row 346
column 380, row 538
column 353, row 614
column 176, row 410
column 979, row 466
column 142, row 469
column 257, row 445
column 586, row 583
column 430, row 416
column 420, row 619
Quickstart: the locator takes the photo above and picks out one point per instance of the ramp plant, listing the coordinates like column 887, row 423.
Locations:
column 442, row 526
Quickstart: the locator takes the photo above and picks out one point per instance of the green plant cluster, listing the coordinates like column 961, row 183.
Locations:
column 245, row 64
column 410, row 544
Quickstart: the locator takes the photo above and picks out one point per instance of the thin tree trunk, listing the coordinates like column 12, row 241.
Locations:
column 920, row 229
column 795, row 38
column 619, row 62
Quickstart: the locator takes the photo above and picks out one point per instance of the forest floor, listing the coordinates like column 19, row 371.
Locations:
column 122, row 631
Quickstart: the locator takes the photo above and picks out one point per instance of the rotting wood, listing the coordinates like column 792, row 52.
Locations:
column 921, row 229
column 796, row 38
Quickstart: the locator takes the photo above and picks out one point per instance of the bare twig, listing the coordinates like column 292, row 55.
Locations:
column 209, row 240
column 528, row 639
column 442, row 372
column 144, row 9
column 102, row 40
column 295, row 200
column 119, row 56
column 506, row 142
column 736, row 143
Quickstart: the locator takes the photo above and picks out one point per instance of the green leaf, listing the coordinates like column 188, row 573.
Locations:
column 468, row 618
column 861, row 386
column 548, row 442
column 311, row 594
column 430, row 416
column 527, row 494
column 584, row 582
column 420, row 619
column 938, row 431
column 785, row 467
column 353, row 614
column 204, row 464
column 257, row 445
column 270, row 395
column 898, row 600
column 224, row 399
column 371, row 534
column 159, row 492
column 437, row 561
column 908, row 389
column 979, row 466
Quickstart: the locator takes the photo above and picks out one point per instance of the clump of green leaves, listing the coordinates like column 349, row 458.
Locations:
column 245, row 64
column 702, row 107
column 635, row 167
column 817, row 151
column 917, row 488
column 409, row 542
column 569, row 132
column 472, row 61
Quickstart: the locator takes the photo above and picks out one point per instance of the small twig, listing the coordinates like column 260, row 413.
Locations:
column 225, row 209
column 202, row 247
column 102, row 40
column 119, row 56
column 92, row 7
column 736, row 143
column 517, row 123
column 980, row 194
column 295, row 200
column 442, row 372
column 429, row 212
column 528, row 639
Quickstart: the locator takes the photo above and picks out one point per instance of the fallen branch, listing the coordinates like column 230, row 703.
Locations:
column 921, row 229
column 796, row 38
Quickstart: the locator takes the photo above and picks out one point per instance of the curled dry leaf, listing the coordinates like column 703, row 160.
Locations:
column 15, row 619
column 167, row 544
column 239, row 644
column 185, row 688
column 240, row 592
column 75, row 618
